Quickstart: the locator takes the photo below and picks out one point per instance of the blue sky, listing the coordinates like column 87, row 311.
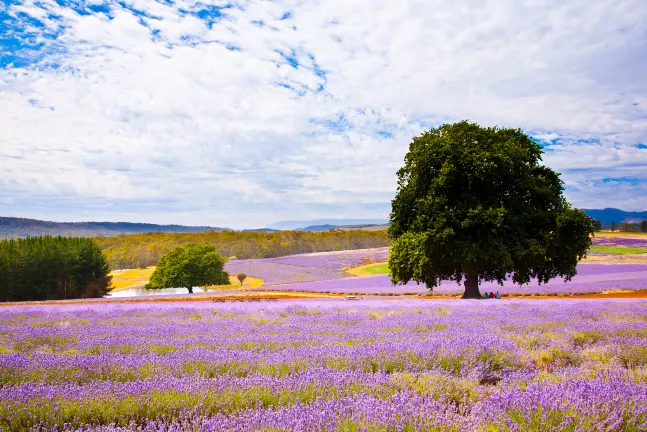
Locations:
column 244, row 113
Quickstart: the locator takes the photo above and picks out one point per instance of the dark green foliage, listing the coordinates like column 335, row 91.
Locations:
column 598, row 225
column 474, row 203
column 643, row 226
column 613, row 226
column 52, row 268
column 629, row 227
column 143, row 250
column 188, row 266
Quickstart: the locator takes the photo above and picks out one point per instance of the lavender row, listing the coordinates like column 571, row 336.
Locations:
column 324, row 365
column 591, row 278
column 324, row 272
column 306, row 267
column 603, row 405
column 620, row 242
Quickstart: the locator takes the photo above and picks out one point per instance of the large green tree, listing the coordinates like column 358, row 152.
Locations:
column 188, row 266
column 475, row 204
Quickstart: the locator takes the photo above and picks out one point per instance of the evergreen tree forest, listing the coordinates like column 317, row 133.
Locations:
column 52, row 268
column 143, row 250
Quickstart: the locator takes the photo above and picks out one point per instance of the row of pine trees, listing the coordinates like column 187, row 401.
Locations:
column 627, row 227
column 52, row 268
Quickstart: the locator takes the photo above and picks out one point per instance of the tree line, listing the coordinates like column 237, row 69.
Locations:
column 623, row 226
column 52, row 268
column 143, row 250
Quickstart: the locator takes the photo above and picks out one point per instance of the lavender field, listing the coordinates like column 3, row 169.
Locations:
column 325, row 273
column 374, row 365
column 306, row 267
column 591, row 278
column 621, row 241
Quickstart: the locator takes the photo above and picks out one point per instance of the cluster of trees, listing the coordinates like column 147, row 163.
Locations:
column 143, row 250
column 625, row 226
column 52, row 268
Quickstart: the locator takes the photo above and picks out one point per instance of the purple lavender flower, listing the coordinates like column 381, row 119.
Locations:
column 306, row 267
column 591, row 278
column 325, row 365
column 620, row 241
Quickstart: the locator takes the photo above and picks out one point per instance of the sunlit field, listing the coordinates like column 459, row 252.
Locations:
column 616, row 262
column 369, row 270
column 137, row 278
column 284, row 360
column 315, row 365
column 365, row 272
column 618, row 250
column 133, row 278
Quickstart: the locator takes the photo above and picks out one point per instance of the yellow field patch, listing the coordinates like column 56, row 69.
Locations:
column 249, row 283
column 607, row 233
column 136, row 278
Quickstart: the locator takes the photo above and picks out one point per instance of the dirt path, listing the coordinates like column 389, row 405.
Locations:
column 615, row 259
column 612, row 295
column 261, row 296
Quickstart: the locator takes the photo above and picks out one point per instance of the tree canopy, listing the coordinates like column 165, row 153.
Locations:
column 188, row 266
column 52, row 268
column 475, row 204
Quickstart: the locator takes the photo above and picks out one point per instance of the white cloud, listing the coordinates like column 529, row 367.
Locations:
column 170, row 117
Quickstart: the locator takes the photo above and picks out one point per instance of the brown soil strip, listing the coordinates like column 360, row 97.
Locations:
column 615, row 259
column 241, row 297
column 260, row 296
column 618, row 295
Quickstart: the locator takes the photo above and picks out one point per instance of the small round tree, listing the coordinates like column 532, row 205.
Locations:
column 475, row 204
column 188, row 266
column 241, row 278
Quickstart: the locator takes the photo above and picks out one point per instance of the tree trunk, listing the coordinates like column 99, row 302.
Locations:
column 471, row 287
column 190, row 290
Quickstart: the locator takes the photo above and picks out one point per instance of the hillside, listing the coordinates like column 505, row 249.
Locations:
column 312, row 225
column 608, row 215
column 142, row 250
column 11, row 227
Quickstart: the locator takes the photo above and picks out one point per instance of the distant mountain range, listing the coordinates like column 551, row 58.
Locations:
column 11, row 227
column 608, row 215
column 328, row 227
column 330, row 223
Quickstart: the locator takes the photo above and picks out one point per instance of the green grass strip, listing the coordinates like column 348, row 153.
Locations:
column 618, row 250
column 370, row 269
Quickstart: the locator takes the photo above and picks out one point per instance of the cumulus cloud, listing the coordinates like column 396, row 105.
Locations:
column 243, row 113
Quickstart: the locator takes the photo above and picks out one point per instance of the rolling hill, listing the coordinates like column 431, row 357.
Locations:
column 317, row 224
column 608, row 215
column 11, row 227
